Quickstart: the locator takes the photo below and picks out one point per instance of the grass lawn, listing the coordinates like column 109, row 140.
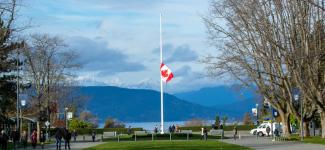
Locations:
column 168, row 145
column 314, row 140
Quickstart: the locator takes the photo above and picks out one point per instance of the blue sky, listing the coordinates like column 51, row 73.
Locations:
column 118, row 40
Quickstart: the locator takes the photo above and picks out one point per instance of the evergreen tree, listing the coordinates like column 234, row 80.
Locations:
column 8, row 61
column 217, row 121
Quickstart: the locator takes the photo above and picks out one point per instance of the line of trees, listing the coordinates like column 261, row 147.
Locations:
column 279, row 47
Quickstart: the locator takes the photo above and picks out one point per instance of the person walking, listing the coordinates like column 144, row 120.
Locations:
column 222, row 132
column 58, row 138
column 173, row 128
column 15, row 138
column 268, row 131
column 4, row 140
column 235, row 133
column 34, row 139
column 74, row 134
column 24, row 138
column 42, row 139
column 93, row 135
column 67, row 139
column 205, row 131
column 156, row 130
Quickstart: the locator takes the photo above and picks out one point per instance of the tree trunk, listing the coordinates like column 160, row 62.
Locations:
column 306, row 129
column 322, row 118
column 285, row 117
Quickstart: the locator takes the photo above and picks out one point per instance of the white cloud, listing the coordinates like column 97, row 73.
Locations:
column 122, row 35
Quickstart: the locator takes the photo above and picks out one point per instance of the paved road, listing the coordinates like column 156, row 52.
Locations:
column 265, row 143
column 74, row 146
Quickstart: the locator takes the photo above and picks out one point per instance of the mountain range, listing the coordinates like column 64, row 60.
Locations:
column 233, row 100
column 141, row 105
column 137, row 105
column 218, row 96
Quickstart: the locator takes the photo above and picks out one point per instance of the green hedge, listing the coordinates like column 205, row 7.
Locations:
column 226, row 128
column 101, row 130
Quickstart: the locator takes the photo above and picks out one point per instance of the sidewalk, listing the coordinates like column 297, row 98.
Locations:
column 73, row 146
column 266, row 143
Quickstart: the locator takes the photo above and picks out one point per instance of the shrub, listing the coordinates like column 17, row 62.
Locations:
column 113, row 123
column 226, row 128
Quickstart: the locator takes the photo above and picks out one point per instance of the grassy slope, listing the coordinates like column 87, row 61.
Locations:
column 168, row 145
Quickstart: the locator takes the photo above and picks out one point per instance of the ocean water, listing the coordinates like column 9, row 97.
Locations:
column 151, row 125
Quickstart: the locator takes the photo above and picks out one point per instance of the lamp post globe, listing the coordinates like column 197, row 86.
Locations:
column 296, row 97
column 23, row 102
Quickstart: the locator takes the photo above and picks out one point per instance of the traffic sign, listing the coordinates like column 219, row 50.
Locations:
column 47, row 123
column 254, row 111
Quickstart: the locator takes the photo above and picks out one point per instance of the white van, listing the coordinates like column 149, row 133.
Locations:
column 261, row 129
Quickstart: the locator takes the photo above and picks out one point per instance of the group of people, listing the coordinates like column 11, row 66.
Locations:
column 172, row 129
column 63, row 133
column 204, row 133
column 16, row 138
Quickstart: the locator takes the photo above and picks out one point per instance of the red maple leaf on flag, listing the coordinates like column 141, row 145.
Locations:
column 164, row 73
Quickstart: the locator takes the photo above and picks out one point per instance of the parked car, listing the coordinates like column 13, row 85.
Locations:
column 261, row 129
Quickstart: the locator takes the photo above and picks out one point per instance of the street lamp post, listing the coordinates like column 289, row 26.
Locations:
column 66, row 117
column 17, row 93
column 257, row 122
column 272, row 119
column 22, row 104
column 296, row 97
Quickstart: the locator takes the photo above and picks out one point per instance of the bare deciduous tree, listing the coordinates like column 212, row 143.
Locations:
column 272, row 44
column 49, row 69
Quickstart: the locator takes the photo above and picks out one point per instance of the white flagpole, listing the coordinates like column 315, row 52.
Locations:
column 161, row 86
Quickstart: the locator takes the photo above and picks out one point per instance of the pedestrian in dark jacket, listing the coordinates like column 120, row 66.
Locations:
column 268, row 129
column 235, row 133
column 93, row 135
column 156, row 130
column 67, row 139
column 58, row 138
column 74, row 134
column 4, row 140
column 15, row 138
column 42, row 139
column 24, row 138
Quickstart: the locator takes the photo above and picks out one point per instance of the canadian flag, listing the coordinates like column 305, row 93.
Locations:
column 166, row 73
